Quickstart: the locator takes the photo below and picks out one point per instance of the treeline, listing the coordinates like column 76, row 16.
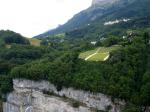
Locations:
column 18, row 54
column 9, row 37
column 13, row 57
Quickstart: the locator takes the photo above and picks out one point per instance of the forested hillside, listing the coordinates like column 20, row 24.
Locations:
column 10, row 37
column 124, row 75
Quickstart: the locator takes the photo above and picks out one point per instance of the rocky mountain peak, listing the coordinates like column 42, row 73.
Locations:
column 102, row 2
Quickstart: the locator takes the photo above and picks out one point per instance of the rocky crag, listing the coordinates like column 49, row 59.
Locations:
column 28, row 96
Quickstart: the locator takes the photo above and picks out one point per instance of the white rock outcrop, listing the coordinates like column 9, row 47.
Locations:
column 28, row 97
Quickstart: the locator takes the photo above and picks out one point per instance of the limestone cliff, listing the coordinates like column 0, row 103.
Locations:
column 28, row 96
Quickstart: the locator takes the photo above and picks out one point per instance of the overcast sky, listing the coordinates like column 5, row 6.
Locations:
column 32, row 17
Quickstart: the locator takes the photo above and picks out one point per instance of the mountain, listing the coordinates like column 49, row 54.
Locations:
column 102, row 2
column 77, row 21
column 102, row 11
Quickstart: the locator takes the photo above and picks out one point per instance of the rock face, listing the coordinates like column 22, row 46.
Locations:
column 28, row 97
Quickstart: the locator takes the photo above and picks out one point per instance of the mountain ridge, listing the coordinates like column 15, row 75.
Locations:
column 102, row 2
column 98, row 13
column 77, row 20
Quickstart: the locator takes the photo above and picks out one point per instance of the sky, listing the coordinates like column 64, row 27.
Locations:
column 32, row 17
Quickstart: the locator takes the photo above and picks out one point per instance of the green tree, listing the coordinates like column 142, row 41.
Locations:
column 145, row 94
column 146, row 38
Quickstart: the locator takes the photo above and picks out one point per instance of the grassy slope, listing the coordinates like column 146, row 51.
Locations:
column 87, row 53
column 35, row 42
column 101, row 55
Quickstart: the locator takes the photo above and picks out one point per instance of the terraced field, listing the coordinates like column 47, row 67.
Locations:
column 98, row 54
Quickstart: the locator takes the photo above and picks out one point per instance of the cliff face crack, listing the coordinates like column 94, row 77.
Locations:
column 29, row 109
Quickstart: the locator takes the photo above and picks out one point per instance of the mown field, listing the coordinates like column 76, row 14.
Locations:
column 98, row 54
column 35, row 42
column 83, row 55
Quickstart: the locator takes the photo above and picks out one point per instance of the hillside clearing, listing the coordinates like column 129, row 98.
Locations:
column 92, row 54
column 87, row 53
column 99, row 54
column 35, row 42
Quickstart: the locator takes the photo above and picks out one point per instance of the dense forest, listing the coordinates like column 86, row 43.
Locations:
column 125, row 75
